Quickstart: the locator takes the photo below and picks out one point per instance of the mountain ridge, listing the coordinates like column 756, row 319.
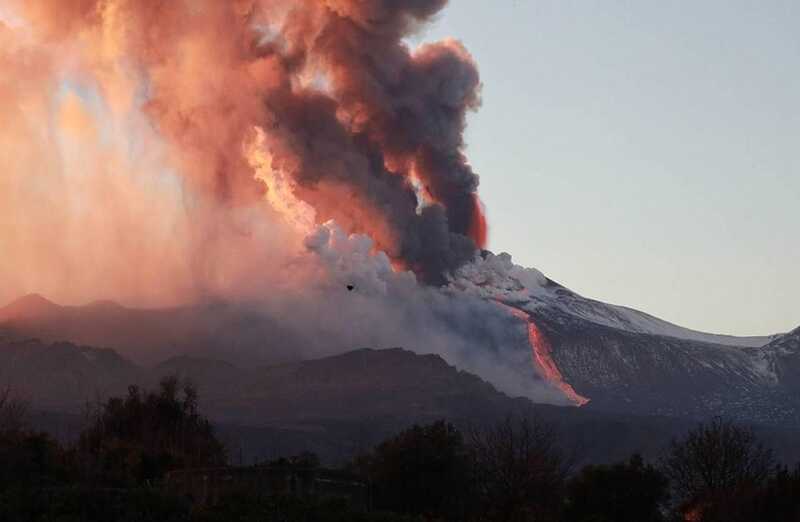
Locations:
column 336, row 406
column 622, row 360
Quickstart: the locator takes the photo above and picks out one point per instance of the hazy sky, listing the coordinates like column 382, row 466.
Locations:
column 645, row 153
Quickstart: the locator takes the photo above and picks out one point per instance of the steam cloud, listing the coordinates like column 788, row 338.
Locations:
column 160, row 152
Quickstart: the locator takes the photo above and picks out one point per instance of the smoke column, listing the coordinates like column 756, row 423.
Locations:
column 141, row 114
column 273, row 151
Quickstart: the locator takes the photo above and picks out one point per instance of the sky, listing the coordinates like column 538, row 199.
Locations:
column 644, row 153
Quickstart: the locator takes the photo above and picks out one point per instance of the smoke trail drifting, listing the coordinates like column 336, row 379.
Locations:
column 110, row 92
column 160, row 152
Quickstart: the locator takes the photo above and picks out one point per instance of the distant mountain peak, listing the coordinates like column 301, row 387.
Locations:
column 105, row 303
column 29, row 306
column 192, row 362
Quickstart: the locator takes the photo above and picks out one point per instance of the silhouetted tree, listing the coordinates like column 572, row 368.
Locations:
column 305, row 460
column 30, row 459
column 13, row 412
column 422, row 470
column 715, row 463
column 144, row 435
column 519, row 471
column 30, row 464
column 629, row 491
column 27, row 459
column 777, row 500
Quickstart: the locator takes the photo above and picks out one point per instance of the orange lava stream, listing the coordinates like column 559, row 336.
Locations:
column 542, row 353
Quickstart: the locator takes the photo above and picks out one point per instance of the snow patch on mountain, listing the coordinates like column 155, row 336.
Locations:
column 497, row 277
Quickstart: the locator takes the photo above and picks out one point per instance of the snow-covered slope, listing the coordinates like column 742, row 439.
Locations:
column 497, row 277
column 625, row 360
column 782, row 357
column 787, row 345
column 635, row 321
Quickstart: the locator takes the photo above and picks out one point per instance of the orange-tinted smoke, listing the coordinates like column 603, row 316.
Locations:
column 410, row 106
column 101, row 195
column 479, row 229
column 347, row 112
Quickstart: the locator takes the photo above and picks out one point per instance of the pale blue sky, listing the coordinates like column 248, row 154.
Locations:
column 644, row 153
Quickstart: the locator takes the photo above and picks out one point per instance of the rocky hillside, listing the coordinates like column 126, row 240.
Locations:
column 335, row 406
column 621, row 360
column 63, row 376
column 624, row 360
column 149, row 336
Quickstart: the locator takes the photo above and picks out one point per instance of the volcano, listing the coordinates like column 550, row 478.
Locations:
column 270, row 182
column 596, row 355
column 615, row 358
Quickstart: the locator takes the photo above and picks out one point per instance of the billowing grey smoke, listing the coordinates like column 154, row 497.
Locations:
column 144, row 114
column 404, row 118
column 388, row 309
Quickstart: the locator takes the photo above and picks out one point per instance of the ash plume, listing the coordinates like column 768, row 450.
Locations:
column 296, row 156
column 368, row 132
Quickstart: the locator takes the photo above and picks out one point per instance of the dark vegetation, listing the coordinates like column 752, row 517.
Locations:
column 336, row 407
column 512, row 471
column 138, row 439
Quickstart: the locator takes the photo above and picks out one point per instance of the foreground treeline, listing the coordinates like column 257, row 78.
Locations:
column 515, row 471
column 116, row 469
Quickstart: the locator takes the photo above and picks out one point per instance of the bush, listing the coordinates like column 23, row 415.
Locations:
column 138, row 439
column 629, row 491
column 422, row 471
column 519, row 471
column 716, row 463
column 31, row 460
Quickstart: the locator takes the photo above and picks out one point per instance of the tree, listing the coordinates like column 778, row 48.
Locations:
column 26, row 457
column 777, row 500
column 13, row 412
column 421, row 471
column 629, row 491
column 144, row 435
column 714, row 463
column 30, row 459
column 30, row 462
column 519, row 471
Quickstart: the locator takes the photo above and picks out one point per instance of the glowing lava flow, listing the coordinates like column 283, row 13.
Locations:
column 542, row 353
